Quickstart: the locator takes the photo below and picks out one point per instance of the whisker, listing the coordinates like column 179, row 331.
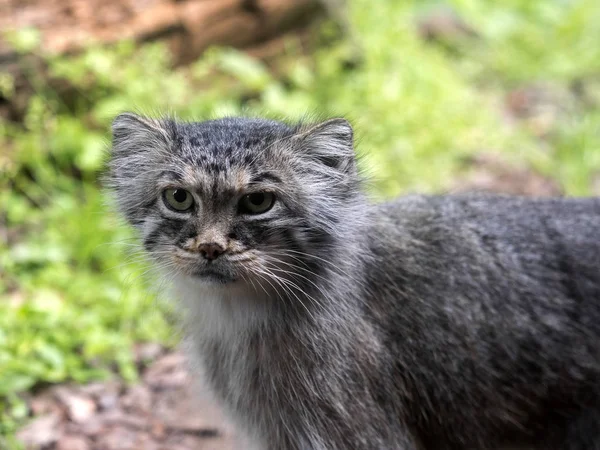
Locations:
column 262, row 275
column 285, row 285
column 309, row 255
column 295, row 266
column 319, row 288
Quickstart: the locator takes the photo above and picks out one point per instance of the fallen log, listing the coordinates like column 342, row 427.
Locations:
column 188, row 26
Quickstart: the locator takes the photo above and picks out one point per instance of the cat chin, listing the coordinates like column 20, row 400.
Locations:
column 214, row 278
column 212, row 274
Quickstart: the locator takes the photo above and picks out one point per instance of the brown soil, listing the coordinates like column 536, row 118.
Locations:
column 163, row 411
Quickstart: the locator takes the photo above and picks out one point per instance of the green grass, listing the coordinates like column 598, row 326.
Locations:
column 73, row 298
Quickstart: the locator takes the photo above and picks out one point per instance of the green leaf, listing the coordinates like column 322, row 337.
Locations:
column 92, row 155
column 246, row 69
column 24, row 40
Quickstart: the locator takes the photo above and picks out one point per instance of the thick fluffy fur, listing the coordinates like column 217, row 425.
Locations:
column 425, row 323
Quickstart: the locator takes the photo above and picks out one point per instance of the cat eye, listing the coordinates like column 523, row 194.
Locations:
column 257, row 203
column 178, row 199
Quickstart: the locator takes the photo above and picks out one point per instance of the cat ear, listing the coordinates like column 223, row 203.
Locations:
column 331, row 143
column 134, row 133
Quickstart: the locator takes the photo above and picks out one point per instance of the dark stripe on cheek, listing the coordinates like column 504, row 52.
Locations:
column 152, row 238
column 137, row 221
column 243, row 234
column 319, row 239
column 149, row 205
column 167, row 227
column 290, row 241
column 174, row 227
column 260, row 222
column 188, row 231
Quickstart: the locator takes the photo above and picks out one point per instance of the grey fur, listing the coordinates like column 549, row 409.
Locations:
column 440, row 322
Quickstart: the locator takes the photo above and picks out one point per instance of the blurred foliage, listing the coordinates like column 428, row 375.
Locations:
column 73, row 295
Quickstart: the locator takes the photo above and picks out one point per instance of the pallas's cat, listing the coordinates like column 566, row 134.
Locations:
column 323, row 321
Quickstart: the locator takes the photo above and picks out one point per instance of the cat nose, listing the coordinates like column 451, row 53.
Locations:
column 211, row 250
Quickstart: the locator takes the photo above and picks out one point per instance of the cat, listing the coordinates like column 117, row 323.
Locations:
column 323, row 321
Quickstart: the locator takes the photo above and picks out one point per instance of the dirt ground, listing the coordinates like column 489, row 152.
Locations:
column 164, row 411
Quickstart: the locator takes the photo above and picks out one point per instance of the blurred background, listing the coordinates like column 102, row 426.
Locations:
column 445, row 97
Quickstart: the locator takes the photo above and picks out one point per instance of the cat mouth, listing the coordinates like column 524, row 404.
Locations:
column 213, row 275
column 213, row 272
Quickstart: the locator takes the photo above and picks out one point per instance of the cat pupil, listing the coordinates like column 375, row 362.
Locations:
column 179, row 195
column 257, row 199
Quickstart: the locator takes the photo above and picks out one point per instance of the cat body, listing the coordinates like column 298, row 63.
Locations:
column 493, row 315
column 321, row 321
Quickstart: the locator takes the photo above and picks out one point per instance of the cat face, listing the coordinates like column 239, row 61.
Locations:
column 235, row 200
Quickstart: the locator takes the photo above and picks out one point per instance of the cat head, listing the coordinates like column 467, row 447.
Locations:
column 237, row 200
